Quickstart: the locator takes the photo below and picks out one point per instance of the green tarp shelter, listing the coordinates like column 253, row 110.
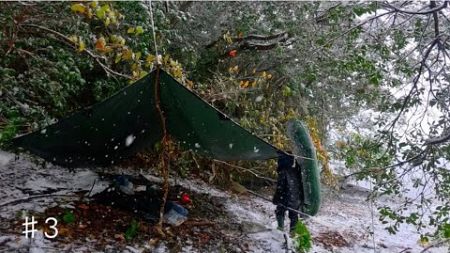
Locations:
column 129, row 121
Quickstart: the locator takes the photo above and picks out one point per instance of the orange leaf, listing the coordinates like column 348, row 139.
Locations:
column 100, row 44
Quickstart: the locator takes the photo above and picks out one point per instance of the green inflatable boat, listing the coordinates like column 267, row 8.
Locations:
column 304, row 149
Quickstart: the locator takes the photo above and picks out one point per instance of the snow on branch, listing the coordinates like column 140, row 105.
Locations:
column 433, row 9
column 439, row 140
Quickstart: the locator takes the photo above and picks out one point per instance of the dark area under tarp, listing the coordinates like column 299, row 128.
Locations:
column 146, row 203
column 129, row 122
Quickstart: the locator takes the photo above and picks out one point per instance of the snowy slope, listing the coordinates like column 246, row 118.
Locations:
column 342, row 225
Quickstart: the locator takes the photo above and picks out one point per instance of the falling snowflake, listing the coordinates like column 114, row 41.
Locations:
column 129, row 140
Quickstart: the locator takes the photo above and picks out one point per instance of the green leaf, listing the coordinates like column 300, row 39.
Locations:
column 286, row 91
column 69, row 217
column 132, row 230
column 445, row 230
column 302, row 237
column 399, row 39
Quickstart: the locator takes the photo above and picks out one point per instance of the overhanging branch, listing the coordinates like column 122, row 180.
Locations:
column 435, row 18
column 439, row 140
column 432, row 9
column 97, row 58
column 415, row 82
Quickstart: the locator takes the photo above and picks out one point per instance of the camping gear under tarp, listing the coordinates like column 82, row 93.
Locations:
column 306, row 157
column 144, row 200
column 129, row 121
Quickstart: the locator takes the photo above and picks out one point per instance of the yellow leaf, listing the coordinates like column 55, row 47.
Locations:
column 94, row 4
column 189, row 84
column 108, row 49
column 127, row 54
column 102, row 11
column 107, row 21
column 78, row 8
column 89, row 13
column 118, row 58
column 105, row 8
column 142, row 73
column 139, row 30
column 227, row 37
column 130, row 30
column 244, row 84
column 73, row 38
column 113, row 20
column 423, row 241
column 264, row 74
column 137, row 56
column 121, row 41
column 166, row 59
column 117, row 39
column 150, row 59
column 81, row 46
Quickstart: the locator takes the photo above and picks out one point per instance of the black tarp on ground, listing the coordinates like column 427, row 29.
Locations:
column 129, row 122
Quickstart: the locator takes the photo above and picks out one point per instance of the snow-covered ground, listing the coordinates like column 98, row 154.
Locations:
column 344, row 223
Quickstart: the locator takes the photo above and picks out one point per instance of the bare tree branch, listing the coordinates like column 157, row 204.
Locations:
column 281, row 35
column 432, row 9
column 376, row 17
column 418, row 158
column 435, row 18
column 247, row 170
column 439, row 140
column 433, row 245
column 415, row 82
